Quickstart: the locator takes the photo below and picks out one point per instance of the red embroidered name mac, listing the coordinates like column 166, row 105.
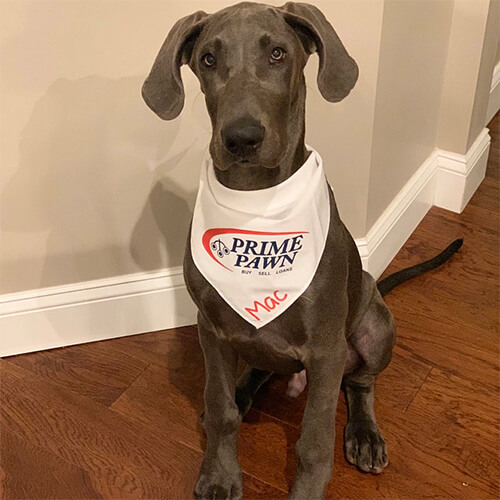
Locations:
column 269, row 304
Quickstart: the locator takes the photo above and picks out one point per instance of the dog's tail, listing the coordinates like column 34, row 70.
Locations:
column 392, row 281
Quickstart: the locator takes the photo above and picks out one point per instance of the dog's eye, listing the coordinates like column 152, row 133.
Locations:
column 208, row 59
column 277, row 54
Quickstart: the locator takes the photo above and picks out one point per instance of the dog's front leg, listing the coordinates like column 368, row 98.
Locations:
column 315, row 447
column 220, row 474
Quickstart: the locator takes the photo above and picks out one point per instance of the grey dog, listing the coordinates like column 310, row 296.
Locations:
column 249, row 59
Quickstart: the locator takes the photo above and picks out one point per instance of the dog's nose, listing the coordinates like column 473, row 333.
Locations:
column 243, row 136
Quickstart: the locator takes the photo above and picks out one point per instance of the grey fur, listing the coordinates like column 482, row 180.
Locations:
column 340, row 327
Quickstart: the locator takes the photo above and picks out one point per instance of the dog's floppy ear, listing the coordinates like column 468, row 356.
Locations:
column 163, row 90
column 338, row 71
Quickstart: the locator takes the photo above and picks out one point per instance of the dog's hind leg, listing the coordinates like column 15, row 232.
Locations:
column 373, row 342
column 252, row 379
column 364, row 445
column 248, row 384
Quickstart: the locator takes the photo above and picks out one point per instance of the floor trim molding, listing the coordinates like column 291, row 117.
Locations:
column 94, row 310
column 389, row 233
column 459, row 176
column 127, row 305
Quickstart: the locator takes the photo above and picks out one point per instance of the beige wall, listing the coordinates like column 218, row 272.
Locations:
column 93, row 184
column 488, row 61
column 468, row 73
column 413, row 51
column 343, row 132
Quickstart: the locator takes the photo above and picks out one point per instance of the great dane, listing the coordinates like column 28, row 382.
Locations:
column 249, row 59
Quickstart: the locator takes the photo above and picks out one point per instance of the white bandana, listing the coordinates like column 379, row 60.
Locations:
column 260, row 249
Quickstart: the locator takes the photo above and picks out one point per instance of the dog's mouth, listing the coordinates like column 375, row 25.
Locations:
column 266, row 157
column 226, row 161
column 244, row 163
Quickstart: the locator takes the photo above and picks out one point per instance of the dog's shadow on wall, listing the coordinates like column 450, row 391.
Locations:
column 87, row 189
column 160, row 233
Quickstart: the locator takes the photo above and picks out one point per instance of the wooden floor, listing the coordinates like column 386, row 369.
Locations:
column 119, row 419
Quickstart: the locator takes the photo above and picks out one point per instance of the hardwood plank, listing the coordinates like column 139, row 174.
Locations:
column 163, row 346
column 157, row 401
column 487, row 195
column 432, row 340
column 9, row 373
column 31, row 472
column 471, row 408
column 95, row 370
column 122, row 459
column 400, row 382
column 255, row 489
column 450, row 426
column 494, row 158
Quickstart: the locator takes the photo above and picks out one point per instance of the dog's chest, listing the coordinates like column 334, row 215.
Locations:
column 279, row 347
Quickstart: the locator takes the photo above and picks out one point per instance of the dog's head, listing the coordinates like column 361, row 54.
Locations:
column 249, row 59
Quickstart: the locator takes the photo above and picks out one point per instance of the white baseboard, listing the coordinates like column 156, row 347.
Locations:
column 447, row 180
column 458, row 176
column 94, row 310
column 143, row 302
column 384, row 240
column 494, row 99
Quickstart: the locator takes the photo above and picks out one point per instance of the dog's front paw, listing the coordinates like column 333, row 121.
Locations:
column 216, row 483
column 365, row 447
